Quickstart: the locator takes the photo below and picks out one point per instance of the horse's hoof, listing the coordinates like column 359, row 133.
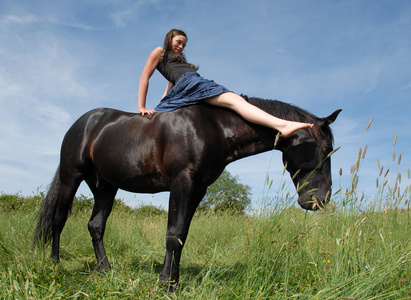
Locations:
column 103, row 269
column 56, row 259
column 170, row 286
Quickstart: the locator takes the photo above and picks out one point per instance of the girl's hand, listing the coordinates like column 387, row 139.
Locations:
column 145, row 111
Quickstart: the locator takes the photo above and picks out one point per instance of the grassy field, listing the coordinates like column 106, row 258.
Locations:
column 284, row 253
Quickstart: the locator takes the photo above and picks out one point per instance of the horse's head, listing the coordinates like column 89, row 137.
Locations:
column 307, row 159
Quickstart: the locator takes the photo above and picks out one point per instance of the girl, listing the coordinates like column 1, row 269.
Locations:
column 186, row 87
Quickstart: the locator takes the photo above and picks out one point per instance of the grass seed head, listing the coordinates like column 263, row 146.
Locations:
column 365, row 151
column 395, row 139
column 369, row 123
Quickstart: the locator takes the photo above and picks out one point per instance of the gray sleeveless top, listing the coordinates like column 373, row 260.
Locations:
column 172, row 69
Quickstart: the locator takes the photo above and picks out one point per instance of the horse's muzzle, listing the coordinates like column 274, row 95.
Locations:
column 313, row 201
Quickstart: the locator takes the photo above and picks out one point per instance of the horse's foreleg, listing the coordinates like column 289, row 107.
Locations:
column 104, row 198
column 182, row 205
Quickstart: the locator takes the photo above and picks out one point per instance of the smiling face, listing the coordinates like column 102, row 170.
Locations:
column 178, row 44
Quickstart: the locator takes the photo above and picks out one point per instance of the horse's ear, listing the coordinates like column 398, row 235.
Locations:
column 331, row 118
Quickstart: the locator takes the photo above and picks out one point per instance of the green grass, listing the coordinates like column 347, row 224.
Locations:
column 329, row 254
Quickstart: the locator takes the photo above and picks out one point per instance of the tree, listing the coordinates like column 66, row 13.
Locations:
column 227, row 193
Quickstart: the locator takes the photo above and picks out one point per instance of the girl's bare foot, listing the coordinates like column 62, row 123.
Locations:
column 290, row 127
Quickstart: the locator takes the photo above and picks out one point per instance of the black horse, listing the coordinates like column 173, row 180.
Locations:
column 183, row 152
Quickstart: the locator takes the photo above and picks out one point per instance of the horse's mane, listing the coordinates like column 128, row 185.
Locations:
column 293, row 113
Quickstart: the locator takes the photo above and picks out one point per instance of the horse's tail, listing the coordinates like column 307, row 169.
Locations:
column 45, row 215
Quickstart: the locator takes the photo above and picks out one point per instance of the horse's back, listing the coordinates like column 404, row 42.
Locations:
column 143, row 153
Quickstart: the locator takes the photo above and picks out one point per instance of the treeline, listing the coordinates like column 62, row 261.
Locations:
column 10, row 203
column 227, row 194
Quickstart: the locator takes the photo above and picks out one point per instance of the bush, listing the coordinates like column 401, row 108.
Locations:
column 17, row 202
column 231, row 206
column 150, row 210
column 80, row 204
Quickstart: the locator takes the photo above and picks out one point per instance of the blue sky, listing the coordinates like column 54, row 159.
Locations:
column 60, row 59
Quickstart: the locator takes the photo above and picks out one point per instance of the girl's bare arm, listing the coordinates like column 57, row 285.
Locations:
column 149, row 68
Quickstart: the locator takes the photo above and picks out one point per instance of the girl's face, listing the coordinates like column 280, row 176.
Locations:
column 178, row 44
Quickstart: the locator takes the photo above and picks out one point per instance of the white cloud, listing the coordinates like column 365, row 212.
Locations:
column 19, row 19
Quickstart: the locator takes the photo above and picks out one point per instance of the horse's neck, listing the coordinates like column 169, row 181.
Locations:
column 253, row 139
column 239, row 137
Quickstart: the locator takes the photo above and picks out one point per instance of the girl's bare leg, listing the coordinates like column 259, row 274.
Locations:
column 255, row 115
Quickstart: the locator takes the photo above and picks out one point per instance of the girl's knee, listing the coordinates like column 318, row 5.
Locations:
column 234, row 99
column 228, row 100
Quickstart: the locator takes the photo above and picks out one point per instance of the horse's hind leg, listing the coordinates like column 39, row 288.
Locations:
column 104, row 194
column 67, row 191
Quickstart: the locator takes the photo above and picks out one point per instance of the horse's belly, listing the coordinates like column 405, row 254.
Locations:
column 136, row 182
column 144, row 184
column 132, row 170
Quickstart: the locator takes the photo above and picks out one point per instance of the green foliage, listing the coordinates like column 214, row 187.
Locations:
column 150, row 210
column 16, row 202
column 81, row 204
column 84, row 204
column 227, row 194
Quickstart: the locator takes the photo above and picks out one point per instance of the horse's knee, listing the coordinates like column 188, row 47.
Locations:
column 174, row 242
column 95, row 229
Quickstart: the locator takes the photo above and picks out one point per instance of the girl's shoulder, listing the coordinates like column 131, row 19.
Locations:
column 156, row 56
column 159, row 52
column 159, row 49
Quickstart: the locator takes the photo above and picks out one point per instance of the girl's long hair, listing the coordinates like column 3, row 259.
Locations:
column 167, row 46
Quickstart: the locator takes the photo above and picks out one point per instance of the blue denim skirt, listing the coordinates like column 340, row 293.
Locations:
column 190, row 89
